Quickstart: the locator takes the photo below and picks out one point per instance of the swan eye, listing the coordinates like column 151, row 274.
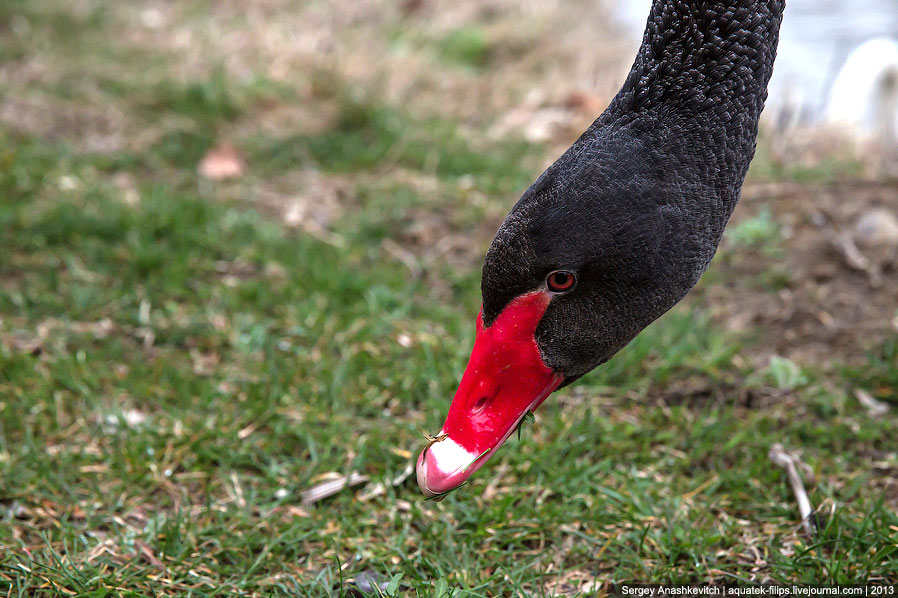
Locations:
column 560, row 281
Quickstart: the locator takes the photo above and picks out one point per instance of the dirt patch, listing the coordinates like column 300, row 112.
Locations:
column 827, row 307
column 97, row 129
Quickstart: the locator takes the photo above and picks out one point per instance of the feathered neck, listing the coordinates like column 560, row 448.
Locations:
column 700, row 77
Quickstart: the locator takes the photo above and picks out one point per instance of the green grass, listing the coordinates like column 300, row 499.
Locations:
column 258, row 359
column 879, row 374
column 761, row 232
column 368, row 135
column 175, row 371
column 467, row 46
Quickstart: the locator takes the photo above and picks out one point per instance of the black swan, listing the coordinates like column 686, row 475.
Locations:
column 618, row 229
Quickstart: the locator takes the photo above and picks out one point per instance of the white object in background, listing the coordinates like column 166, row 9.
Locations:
column 864, row 96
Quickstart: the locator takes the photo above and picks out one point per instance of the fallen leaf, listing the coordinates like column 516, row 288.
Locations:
column 585, row 102
column 222, row 162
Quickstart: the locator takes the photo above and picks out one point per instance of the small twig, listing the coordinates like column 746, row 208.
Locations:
column 874, row 408
column 791, row 463
column 855, row 259
column 433, row 439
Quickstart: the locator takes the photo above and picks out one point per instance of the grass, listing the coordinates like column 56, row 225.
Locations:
column 761, row 232
column 177, row 366
column 467, row 46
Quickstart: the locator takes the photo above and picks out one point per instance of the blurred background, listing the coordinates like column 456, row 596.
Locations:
column 240, row 250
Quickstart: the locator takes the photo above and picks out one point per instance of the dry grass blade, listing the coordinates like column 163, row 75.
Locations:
column 407, row 258
column 791, row 463
column 331, row 487
column 376, row 489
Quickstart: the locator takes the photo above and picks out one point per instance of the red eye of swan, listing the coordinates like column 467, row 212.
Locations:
column 560, row 281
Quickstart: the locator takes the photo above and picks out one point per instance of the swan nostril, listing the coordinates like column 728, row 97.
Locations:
column 479, row 405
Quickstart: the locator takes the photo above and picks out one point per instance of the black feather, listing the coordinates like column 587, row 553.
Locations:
column 637, row 206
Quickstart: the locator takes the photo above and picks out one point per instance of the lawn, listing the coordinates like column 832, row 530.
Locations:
column 182, row 358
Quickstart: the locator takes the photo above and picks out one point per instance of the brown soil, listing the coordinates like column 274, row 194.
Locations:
column 828, row 308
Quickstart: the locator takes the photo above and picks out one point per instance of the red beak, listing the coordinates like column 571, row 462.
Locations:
column 505, row 378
